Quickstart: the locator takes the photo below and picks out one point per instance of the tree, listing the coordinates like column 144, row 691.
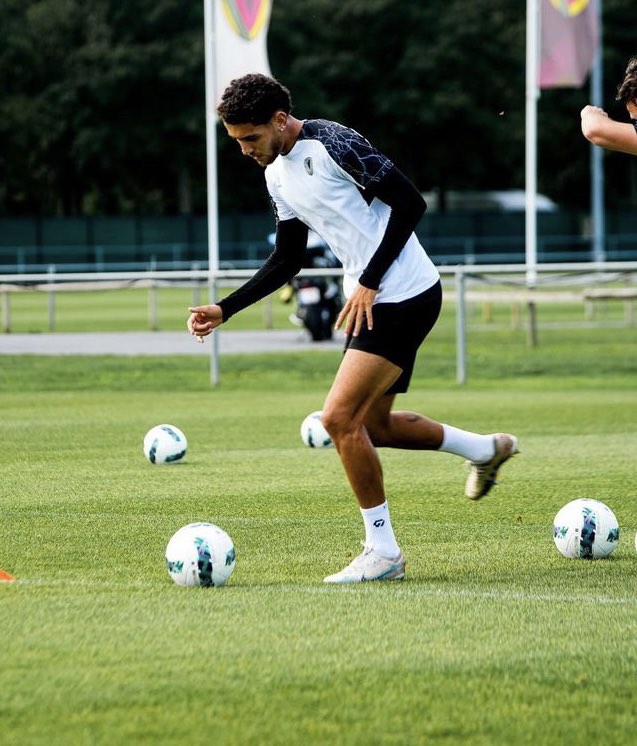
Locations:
column 441, row 88
column 412, row 77
column 102, row 104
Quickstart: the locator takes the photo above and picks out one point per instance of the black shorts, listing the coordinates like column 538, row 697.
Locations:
column 399, row 330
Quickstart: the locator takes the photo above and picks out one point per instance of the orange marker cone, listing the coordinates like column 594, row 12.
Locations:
column 5, row 577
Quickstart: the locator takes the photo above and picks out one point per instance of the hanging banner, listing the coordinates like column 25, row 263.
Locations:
column 569, row 37
column 241, row 28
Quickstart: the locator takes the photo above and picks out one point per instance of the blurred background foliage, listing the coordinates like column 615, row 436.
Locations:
column 102, row 102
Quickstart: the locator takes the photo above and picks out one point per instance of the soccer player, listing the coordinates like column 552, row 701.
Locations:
column 327, row 177
column 601, row 130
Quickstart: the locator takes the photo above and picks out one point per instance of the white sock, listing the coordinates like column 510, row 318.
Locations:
column 379, row 534
column 472, row 446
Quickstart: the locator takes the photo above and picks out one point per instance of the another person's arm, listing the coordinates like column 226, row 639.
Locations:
column 600, row 129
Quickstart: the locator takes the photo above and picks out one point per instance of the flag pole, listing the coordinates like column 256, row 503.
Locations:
column 211, row 165
column 597, row 154
column 531, row 139
column 532, row 93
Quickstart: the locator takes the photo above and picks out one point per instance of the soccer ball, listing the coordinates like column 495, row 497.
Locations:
column 165, row 444
column 200, row 554
column 585, row 529
column 313, row 433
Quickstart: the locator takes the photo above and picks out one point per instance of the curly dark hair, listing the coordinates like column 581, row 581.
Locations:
column 253, row 99
column 627, row 91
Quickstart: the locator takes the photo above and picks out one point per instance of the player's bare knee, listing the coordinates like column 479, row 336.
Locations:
column 337, row 422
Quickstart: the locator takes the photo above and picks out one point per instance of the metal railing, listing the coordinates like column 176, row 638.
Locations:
column 459, row 276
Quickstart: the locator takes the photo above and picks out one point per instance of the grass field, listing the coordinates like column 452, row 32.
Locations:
column 493, row 637
column 129, row 309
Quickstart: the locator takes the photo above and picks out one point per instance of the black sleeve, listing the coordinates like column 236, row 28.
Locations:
column 407, row 208
column 283, row 263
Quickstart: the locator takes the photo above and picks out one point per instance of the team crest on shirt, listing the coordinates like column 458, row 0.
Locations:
column 309, row 168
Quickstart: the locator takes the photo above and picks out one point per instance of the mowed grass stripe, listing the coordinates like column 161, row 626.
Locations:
column 407, row 588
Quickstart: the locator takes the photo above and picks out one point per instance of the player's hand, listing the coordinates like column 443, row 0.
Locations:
column 203, row 319
column 357, row 310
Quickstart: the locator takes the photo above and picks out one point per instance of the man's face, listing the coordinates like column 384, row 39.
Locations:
column 263, row 142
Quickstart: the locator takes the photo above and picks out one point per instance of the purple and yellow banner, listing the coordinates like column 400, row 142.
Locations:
column 241, row 39
column 247, row 17
column 568, row 42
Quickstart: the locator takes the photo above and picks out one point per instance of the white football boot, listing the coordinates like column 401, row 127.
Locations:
column 370, row 566
column 483, row 476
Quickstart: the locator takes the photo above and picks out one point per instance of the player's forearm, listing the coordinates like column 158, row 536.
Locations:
column 280, row 267
column 270, row 277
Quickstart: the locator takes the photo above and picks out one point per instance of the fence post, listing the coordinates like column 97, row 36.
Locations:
column 268, row 322
column 6, row 312
column 461, row 323
column 196, row 285
column 152, row 299
column 532, row 336
column 215, row 371
column 51, row 293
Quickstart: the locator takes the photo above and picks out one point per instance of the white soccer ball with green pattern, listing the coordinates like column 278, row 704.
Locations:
column 313, row 434
column 585, row 529
column 165, row 444
column 200, row 554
